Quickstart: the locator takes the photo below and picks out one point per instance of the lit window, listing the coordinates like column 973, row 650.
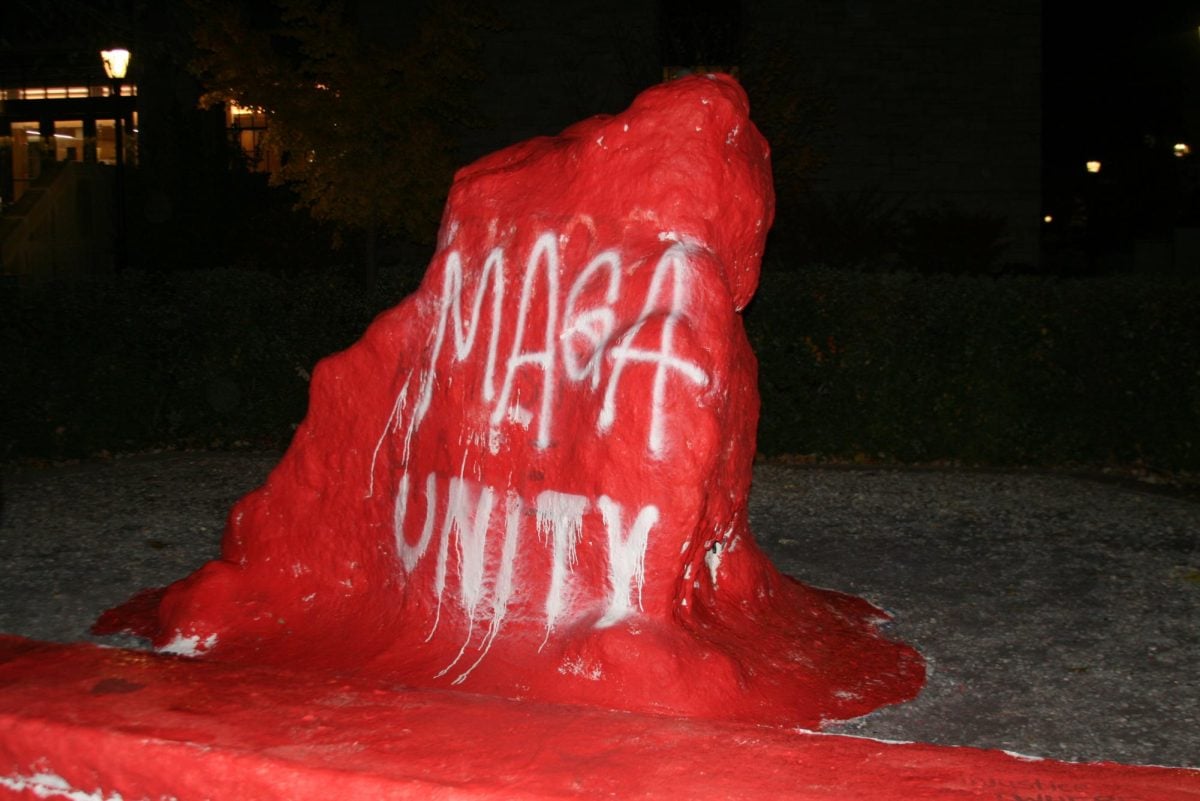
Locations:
column 1093, row 166
column 1181, row 149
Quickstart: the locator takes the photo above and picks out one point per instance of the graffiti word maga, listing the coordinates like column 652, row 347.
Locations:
column 575, row 336
column 484, row 591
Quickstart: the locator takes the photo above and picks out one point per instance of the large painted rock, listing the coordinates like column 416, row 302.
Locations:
column 530, row 478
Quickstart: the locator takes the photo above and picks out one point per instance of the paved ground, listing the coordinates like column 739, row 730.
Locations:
column 1060, row 616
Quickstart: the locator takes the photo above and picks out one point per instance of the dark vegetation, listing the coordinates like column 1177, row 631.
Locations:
column 884, row 330
column 880, row 366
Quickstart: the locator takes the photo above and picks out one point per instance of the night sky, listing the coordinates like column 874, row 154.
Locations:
column 1121, row 84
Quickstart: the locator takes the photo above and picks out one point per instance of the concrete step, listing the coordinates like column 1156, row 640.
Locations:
column 87, row 723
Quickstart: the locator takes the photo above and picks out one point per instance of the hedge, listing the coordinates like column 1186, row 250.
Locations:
column 1000, row 371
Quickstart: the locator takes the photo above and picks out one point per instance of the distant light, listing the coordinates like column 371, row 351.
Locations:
column 1093, row 166
column 116, row 61
column 1049, row 218
column 1181, row 149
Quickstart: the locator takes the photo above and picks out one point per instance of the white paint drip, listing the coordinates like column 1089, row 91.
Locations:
column 504, row 581
column 469, row 517
column 467, row 523
column 51, row 785
column 189, row 645
column 393, row 423
column 559, row 515
column 626, row 557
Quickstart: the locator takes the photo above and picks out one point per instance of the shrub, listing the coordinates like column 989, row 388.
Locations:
column 999, row 371
column 1017, row 370
column 186, row 358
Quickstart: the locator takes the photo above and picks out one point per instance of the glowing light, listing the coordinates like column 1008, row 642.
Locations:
column 116, row 61
column 1181, row 149
column 1093, row 166
column 1049, row 218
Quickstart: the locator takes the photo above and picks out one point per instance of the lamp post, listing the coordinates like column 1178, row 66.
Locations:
column 116, row 62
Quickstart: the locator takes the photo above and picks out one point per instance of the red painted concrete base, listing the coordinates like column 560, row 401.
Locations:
column 82, row 722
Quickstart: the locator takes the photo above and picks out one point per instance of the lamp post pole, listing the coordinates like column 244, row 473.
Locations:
column 116, row 62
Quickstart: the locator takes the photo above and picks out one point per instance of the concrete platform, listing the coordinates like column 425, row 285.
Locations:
column 87, row 723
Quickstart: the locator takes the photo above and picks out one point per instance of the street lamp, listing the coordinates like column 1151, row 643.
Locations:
column 116, row 62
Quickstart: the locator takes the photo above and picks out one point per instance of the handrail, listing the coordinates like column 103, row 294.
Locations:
column 61, row 227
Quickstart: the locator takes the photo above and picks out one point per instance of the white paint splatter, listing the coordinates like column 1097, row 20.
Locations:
column 1023, row 757
column 189, row 645
column 51, row 785
column 712, row 559
column 577, row 667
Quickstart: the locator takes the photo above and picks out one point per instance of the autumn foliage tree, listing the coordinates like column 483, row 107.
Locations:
column 363, row 121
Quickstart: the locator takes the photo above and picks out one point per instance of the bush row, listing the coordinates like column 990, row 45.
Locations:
column 189, row 358
column 1015, row 370
column 997, row 371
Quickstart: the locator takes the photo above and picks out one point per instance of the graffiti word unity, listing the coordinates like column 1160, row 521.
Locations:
column 464, row 524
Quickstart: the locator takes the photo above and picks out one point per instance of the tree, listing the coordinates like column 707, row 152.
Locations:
column 364, row 122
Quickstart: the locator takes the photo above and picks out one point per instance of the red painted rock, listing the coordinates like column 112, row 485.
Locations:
column 530, row 478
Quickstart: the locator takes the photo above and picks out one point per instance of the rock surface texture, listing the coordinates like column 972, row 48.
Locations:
column 531, row 477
